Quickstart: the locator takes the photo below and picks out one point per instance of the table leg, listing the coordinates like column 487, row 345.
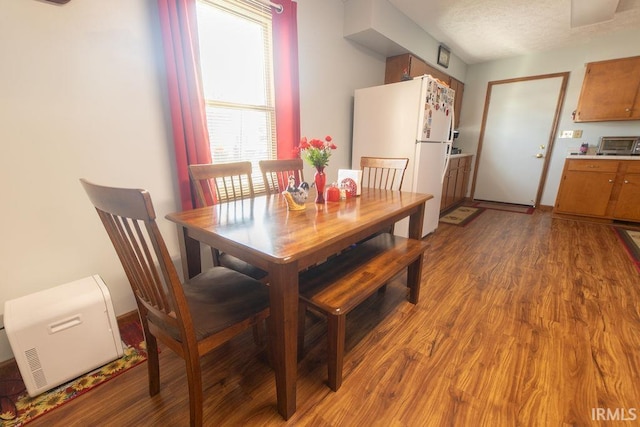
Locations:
column 416, row 221
column 189, row 254
column 283, row 294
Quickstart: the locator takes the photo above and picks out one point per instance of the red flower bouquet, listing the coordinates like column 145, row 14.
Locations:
column 316, row 151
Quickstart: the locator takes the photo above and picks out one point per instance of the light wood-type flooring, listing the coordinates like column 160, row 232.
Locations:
column 524, row 320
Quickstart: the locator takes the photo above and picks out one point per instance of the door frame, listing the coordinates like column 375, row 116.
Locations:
column 552, row 134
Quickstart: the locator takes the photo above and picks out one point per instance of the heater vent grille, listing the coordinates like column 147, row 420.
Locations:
column 36, row 367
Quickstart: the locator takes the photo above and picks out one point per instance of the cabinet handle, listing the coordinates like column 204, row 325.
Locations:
column 593, row 166
column 627, row 109
column 611, row 181
column 626, row 182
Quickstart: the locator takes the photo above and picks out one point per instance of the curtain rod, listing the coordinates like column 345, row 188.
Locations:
column 278, row 7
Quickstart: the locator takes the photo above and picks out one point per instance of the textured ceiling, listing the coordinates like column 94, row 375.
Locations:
column 482, row 30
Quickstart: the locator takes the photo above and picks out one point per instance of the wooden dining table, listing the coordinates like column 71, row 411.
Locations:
column 264, row 233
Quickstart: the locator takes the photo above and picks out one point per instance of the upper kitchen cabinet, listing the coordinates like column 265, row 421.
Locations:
column 458, row 86
column 398, row 66
column 610, row 91
column 414, row 66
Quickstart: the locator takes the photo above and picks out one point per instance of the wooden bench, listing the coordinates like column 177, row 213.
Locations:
column 340, row 284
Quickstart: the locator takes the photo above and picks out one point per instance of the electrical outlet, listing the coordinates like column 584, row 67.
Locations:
column 577, row 134
column 566, row 134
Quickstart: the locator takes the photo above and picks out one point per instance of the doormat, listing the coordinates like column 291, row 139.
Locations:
column 462, row 215
column 17, row 408
column 505, row 207
column 631, row 241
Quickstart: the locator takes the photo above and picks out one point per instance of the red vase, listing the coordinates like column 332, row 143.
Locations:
column 320, row 179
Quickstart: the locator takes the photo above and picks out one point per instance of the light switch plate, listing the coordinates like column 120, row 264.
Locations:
column 577, row 134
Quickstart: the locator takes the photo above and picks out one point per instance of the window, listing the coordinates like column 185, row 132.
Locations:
column 237, row 75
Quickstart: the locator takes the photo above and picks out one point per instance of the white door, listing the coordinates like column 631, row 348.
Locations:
column 519, row 126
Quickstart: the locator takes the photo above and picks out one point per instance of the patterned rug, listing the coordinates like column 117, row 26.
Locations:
column 505, row 207
column 17, row 408
column 461, row 216
column 631, row 241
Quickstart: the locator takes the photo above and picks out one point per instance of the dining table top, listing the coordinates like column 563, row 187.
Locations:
column 263, row 225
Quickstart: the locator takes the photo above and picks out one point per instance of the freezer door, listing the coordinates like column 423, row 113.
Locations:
column 385, row 121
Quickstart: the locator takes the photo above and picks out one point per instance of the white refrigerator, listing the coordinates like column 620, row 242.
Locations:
column 412, row 119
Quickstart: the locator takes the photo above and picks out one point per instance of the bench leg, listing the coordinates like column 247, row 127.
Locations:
column 336, row 326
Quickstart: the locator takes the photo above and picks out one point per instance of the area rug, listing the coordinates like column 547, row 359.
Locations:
column 505, row 207
column 17, row 408
column 631, row 241
column 462, row 215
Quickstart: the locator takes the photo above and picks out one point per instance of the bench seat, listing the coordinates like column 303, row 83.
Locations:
column 340, row 284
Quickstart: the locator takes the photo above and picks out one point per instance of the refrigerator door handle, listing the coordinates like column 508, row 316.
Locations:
column 446, row 161
column 452, row 125
column 449, row 144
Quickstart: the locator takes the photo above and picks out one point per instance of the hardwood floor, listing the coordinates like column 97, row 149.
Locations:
column 523, row 320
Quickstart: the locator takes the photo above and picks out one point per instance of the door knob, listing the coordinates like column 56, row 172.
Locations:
column 539, row 155
column 542, row 147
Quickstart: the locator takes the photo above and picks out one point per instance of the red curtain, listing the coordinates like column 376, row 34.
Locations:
column 286, row 81
column 178, row 23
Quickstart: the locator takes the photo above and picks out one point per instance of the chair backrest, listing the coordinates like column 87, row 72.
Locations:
column 276, row 173
column 221, row 182
column 130, row 221
column 384, row 173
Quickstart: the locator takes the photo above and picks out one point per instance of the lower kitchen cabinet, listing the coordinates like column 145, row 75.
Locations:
column 456, row 180
column 604, row 189
column 628, row 203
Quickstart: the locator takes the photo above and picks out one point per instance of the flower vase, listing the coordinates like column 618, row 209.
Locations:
column 320, row 179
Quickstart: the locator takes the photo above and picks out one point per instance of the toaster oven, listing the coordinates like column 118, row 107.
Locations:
column 619, row 145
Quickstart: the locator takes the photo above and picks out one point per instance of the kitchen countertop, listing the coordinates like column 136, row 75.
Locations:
column 595, row 157
column 455, row 156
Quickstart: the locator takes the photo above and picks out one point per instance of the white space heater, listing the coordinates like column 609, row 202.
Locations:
column 63, row 332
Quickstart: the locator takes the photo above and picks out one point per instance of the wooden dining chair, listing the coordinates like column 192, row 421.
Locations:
column 191, row 318
column 276, row 173
column 225, row 182
column 386, row 173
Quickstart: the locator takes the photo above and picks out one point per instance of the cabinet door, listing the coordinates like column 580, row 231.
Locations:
column 460, row 189
column 396, row 65
column 457, row 106
column 585, row 193
column 443, row 198
column 628, row 204
column 414, row 66
column 449, row 185
column 466, row 174
column 610, row 91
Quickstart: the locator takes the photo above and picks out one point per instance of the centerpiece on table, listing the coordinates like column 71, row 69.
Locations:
column 316, row 152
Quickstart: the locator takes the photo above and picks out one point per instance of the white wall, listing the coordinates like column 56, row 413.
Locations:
column 382, row 27
column 573, row 60
column 331, row 68
column 83, row 95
